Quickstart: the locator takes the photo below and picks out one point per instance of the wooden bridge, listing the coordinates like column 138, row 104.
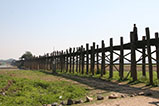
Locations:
column 94, row 60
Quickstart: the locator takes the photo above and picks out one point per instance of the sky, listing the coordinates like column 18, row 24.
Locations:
column 41, row 26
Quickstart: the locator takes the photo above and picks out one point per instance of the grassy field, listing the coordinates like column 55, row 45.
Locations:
column 34, row 88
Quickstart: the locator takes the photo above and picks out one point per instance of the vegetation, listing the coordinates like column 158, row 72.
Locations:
column 35, row 88
column 27, row 55
column 32, row 88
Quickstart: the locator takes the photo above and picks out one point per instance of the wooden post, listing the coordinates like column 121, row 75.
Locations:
column 87, row 58
column 97, row 60
column 82, row 59
column 64, row 57
column 103, row 59
column 73, row 59
column 56, row 60
column 70, row 59
column 133, row 57
column 76, row 59
column 93, row 58
column 111, row 59
column 54, row 63
column 149, row 56
column 47, row 62
column 62, row 61
column 66, row 60
column 135, row 33
column 157, row 55
column 121, row 61
column 143, row 58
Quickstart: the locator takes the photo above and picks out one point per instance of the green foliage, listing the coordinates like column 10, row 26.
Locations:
column 27, row 55
column 28, row 92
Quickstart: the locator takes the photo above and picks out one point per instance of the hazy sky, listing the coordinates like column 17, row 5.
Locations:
column 40, row 26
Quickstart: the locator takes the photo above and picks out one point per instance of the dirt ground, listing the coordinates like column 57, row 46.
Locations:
column 135, row 101
column 105, row 88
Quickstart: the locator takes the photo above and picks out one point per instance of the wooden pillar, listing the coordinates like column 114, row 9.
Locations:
column 76, row 59
column 80, row 51
column 157, row 54
column 43, row 62
column 97, row 60
column 50, row 61
column 121, row 61
column 82, row 59
column 87, row 58
column 135, row 33
column 61, row 60
column 47, row 61
column 149, row 55
column 70, row 59
column 73, row 60
column 57, row 59
column 111, row 59
column 133, row 57
column 143, row 58
column 54, row 64
column 66, row 60
column 39, row 62
column 103, row 59
column 92, row 58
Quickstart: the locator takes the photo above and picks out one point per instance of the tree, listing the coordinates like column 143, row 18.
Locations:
column 27, row 55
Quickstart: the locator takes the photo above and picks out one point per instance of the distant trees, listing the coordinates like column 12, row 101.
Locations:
column 27, row 55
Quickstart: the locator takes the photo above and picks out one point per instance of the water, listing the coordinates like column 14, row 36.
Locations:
column 6, row 66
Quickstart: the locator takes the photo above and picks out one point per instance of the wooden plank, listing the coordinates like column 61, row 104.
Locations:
column 121, row 61
column 149, row 56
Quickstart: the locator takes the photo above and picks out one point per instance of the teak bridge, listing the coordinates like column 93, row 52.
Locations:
column 94, row 60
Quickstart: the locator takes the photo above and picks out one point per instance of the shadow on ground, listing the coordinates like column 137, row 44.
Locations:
column 106, row 85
